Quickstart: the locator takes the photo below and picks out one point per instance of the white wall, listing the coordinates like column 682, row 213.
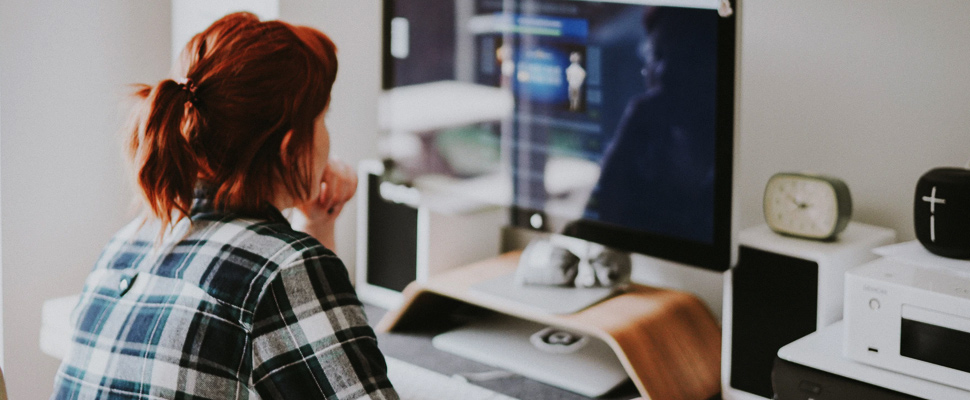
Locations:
column 1, row 235
column 873, row 91
column 190, row 17
column 64, row 67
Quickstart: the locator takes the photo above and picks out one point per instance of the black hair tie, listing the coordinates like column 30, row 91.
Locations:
column 187, row 85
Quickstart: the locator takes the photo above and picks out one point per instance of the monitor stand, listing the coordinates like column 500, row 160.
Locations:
column 548, row 299
column 575, row 362
column 667, row 341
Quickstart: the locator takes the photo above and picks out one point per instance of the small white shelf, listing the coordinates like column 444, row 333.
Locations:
column 429, row 107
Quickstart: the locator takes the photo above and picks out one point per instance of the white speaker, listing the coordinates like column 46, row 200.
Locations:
column 403, row 237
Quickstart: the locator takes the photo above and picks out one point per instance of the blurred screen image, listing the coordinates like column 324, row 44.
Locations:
column 601, row 111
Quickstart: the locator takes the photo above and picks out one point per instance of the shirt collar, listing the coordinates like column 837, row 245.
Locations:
column 203, row 204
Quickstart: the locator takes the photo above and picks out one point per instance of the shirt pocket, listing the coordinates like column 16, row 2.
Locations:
column 166, row 325
column 138, row 299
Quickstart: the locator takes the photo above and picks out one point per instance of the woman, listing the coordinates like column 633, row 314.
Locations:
column 212, row 295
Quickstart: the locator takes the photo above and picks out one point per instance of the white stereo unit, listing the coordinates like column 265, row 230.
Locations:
column 910, row 318
column 782, row 289
column 813, row 367
column 405, row 235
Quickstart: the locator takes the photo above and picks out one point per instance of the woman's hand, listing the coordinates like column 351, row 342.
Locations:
column 338, row 186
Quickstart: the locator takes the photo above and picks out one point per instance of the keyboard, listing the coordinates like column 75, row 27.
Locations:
column 415, row 383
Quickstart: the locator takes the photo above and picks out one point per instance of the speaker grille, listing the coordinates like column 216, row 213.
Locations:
column 392, row 237
column 775, row 302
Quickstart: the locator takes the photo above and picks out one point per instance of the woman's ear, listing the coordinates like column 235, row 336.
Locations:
column 284, row 154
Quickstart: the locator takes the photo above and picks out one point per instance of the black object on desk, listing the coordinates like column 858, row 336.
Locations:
column 941, row 212
column 775, row 303
column 797, row 382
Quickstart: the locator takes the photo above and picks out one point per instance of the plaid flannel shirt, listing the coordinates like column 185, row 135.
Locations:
column 227, row 307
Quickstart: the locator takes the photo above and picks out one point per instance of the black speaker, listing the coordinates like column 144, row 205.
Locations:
column 391, row 242
column 782, row 289
column 775, row 303
column 402, row 236
column 941, row 212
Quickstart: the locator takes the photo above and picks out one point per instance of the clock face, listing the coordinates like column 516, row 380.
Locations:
column 806, row 206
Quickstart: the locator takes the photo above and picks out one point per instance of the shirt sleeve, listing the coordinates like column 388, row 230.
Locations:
column 311, row 339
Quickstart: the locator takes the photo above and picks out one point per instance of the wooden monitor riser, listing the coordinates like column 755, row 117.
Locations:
column 667, row 340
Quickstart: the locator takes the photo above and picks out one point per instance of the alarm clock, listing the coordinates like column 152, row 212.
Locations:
column 807, row 205
column 941, row 212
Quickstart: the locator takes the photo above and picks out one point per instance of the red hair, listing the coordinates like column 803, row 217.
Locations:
column 248, row 86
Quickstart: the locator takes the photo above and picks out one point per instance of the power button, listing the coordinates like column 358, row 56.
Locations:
column 874, row 304
column 810, row 387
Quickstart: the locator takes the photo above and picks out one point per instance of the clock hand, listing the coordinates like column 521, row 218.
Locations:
column 798, row 204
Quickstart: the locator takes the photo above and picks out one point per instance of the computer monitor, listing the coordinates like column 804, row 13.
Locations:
column 608, row 120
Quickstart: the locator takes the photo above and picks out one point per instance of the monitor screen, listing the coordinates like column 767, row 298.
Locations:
column 610, row 121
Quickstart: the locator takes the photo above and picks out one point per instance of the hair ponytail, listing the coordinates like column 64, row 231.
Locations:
column 244, row 124
column 166, row 165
